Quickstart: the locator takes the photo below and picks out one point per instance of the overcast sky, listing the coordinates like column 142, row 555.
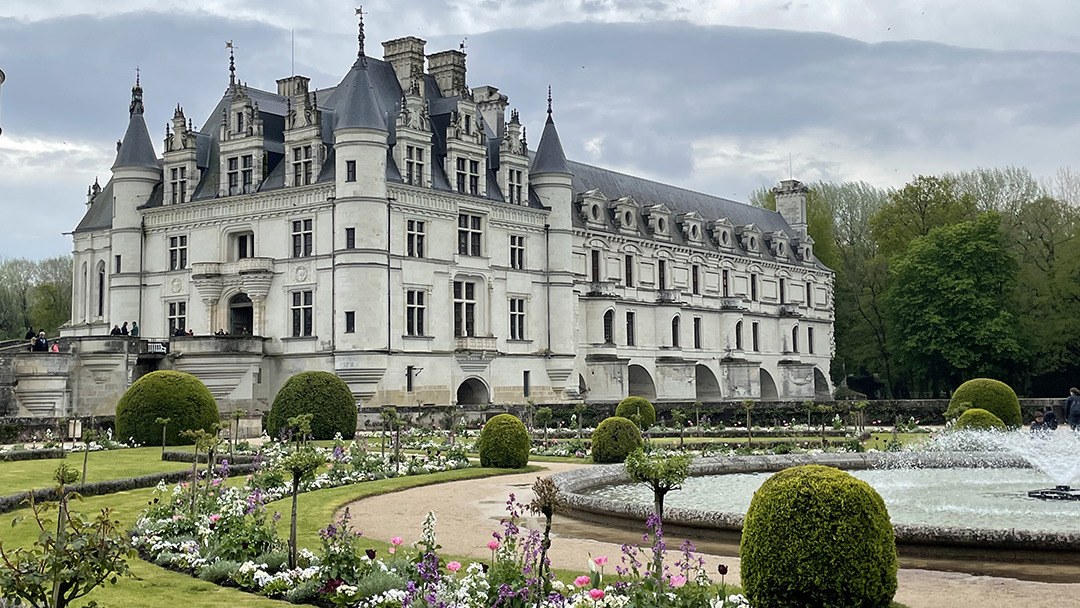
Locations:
column 708, row 94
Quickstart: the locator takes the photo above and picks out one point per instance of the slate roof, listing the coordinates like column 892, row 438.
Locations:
column 355, row 102
column 99, row 215
column 549, row 157
column 137, row 150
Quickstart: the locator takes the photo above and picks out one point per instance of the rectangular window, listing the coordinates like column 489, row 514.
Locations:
column 350, row 238
column 350, row 322
column 118, row 271
column 234, row 175
column 525, row 388
column 179, row 184
column 695, row 280
column 753, row 288
column 414, row 238
column 783, row 289
column 809, row 294
column 409, row 373
column 350, row 170
column 697, row 332
column 468, row 124
column 661, row 275
column 517, row 318
column 462, row 176
column 517, row 252
column 245, row 246
column 628, row 271
column 596, row 277
column 514, row 189
column 414, row 165
column 738, row 336
column 469, row 234
column 474, row 177
column 464, row 308
column 810, row 340
column 177, row 252
column 302, row 313
column 177, row 317
column 725, row 283
column 630, row 326
column 415, row 310
column 247, row 173
column 301, row 238
column 239, row 122
column 754, row 337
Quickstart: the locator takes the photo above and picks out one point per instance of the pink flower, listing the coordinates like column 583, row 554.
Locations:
column 396, row 541
column 600, row 561
column 678, row 581
column 596, row 594
column 177, row 517
column 581, row 581
column 392, row 550
column 493, row 545
column 215, row 517
column 453, row 566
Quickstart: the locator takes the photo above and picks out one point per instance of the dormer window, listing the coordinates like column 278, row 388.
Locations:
column 414, row 165
column 661, row 225
column 595, row 212
column 724, row 238
column 628, row 219
column 514, row 189
column 468, row 124
column 239, row 122
column 302, row 166
column 234, row 175
column 247, row 173
column 780, row 249
column 468, row 176
column 179, row 184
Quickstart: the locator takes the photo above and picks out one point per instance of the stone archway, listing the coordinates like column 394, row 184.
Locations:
column 708, row 388
column 241, row 315
column 473, row 392
column 768, row 386
column 821, row 386
column 640, row 383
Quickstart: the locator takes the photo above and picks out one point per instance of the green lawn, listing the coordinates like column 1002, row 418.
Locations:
column 112, row 464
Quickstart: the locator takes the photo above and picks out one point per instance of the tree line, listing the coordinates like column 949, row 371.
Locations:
column 34, row 293
column 952, row 277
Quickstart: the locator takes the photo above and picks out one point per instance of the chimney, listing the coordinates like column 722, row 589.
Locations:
column 448, row 69
column 791, row 204
column 406, row 55
column 293, row 86
column 492, row 105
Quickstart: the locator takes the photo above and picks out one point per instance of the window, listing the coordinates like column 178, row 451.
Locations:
column 179, row 184
column 810, row 340
column 661, row 275
column 525, row 383
column 409, row 373
column 724, row 281
column 675, row 332
column 462, row 176
column 350, row 238
column 753, row 287
column 695, row 280
column 302, row 318
column 118, row 266
column 810, row 295
column 469, row 234
column 783, row 289
column 301, row 238
column 609, row 327
column 415, row 310
column 630, row 328
column 302, row 166
column 350, row 322
column 414, row 238
column 234, row 175
column 245, row 246
column 101, row 290
column 177, row 317
column 738, row 336
column 595, row 266
column 246, row 174
column 177, row 252
column 795, row 339
column 474, row 177
column 350, row 170
column 756, row 344
column 628, row 270
column 515, row 190
column 517, row 252
column 697, row 332
column 517, row 318
column 239, row 122
column 468, row 124
column 414, row 165
column 464, row 308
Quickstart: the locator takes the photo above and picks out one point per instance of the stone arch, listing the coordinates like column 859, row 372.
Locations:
column 640, row 382
column 707, row 386
column 241, row 315
column 609, row 326
column 768, row 386
column 821, row 386
column 473, row 391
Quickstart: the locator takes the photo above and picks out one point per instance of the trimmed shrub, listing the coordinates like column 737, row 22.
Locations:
column 816, row 537
column 976, row 419
column 321, row 394
column 640, row 406
column 956, row 408
column 182, row 398
column 614, row 439
column 504, row 443
column 991, row 395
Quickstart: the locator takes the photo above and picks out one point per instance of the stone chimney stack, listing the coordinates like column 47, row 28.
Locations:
column 448, row 69
column 293, row 86
column 791, row 204
column 492, row 105
column 406, row 55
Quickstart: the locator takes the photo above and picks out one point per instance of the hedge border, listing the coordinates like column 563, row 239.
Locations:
column 43, row 454
column 235, row 459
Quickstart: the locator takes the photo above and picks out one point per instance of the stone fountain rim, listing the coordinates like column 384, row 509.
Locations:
column 573, row 482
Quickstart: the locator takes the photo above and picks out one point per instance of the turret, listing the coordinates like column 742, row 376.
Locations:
column 550, row 175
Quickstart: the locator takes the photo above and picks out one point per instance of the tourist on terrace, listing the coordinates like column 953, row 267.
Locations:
column 134, row 329
column 40, row 344
column 1072, row 408
column 1050, row 418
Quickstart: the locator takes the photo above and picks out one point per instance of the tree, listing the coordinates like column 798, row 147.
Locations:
column 88, row 435
column 579, row 414
column 544, row 416
column 34, row 293
column 164, row 422
column 679, row 419
column 950, row 298
column 301, row 464
column 661, row 473
column 923, row 204
column 748, row 407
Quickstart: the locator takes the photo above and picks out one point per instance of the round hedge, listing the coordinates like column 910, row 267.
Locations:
column 817, row 537
column 322, row 394
column 977, row 419
column 504, row 443
column 182, row 398
column 641, row 406
column 614, row 439
column 991, row 395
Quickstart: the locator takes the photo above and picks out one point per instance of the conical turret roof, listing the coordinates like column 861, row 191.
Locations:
column 136, row 149
column 550, row 157
column 357, row 105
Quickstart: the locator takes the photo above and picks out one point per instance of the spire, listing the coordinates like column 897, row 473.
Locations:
column 136, row 106
column 136, row 149
column 357, row 104
column 360, row 56
column 549, row 157
column 549, row 103
column 232, row 64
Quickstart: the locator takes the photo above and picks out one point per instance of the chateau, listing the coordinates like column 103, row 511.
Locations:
column 397, row 230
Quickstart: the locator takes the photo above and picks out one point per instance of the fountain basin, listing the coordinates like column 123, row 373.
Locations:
column 1056, row 493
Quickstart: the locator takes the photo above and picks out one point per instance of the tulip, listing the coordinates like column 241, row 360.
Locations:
column 600, row 561
column 722, row 569
column 453, row 566
column 596, row 594
column 370, row 553
column 581, row 581
column 493, row 545
column 677, row 581
column 396, row 541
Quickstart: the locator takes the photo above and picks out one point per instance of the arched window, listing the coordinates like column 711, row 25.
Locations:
column 84, row 293
column 795, row 339
column 738, row 336
column 675, row 332
column 609, row 327
column 101, row 290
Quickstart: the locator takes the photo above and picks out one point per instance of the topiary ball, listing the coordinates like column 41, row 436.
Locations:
column 976, row 419
column 614, row 439
column 991, row 395
column 182, row 398
column 639, row 406
column 322, row 394
column 816, row 537
column 504, row 443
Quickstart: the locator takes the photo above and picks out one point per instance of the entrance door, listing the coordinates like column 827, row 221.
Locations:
column 241, row 315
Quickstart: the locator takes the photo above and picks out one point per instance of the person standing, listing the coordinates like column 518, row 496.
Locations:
column 41, row 344
column 124, row 330
column 134, row 329
column 115, row 330
column 1072, row 408
column 29, row 333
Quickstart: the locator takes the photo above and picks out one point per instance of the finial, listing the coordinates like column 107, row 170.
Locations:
column 549, row 101
column 137, row 75
column 524, row 140
column 232, row 63
column 360, row 37
column 136, row 106
column 461, row 47
column 190, row 126
column 315, row 99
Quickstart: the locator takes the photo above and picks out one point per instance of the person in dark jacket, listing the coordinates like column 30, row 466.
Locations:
column 29, row 333
column 1038, row 426
column 41, row 344
column 1050, row 418
column 1072, row 408
column 115, row 330
column 124, row 329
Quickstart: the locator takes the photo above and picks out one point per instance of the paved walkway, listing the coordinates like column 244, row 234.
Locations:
column 469, row 511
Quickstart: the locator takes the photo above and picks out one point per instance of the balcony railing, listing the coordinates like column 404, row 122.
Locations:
column 476, row 343
column 244, row 266
column 789, row 310
column 669, row 295
column 732, row 304
column 602, row 289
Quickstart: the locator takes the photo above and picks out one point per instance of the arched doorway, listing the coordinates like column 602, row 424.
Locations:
column 708, row 388
column 821, row 386
column 472, row 392
column 640, row 383
column 768, row 386
column 241, row 315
